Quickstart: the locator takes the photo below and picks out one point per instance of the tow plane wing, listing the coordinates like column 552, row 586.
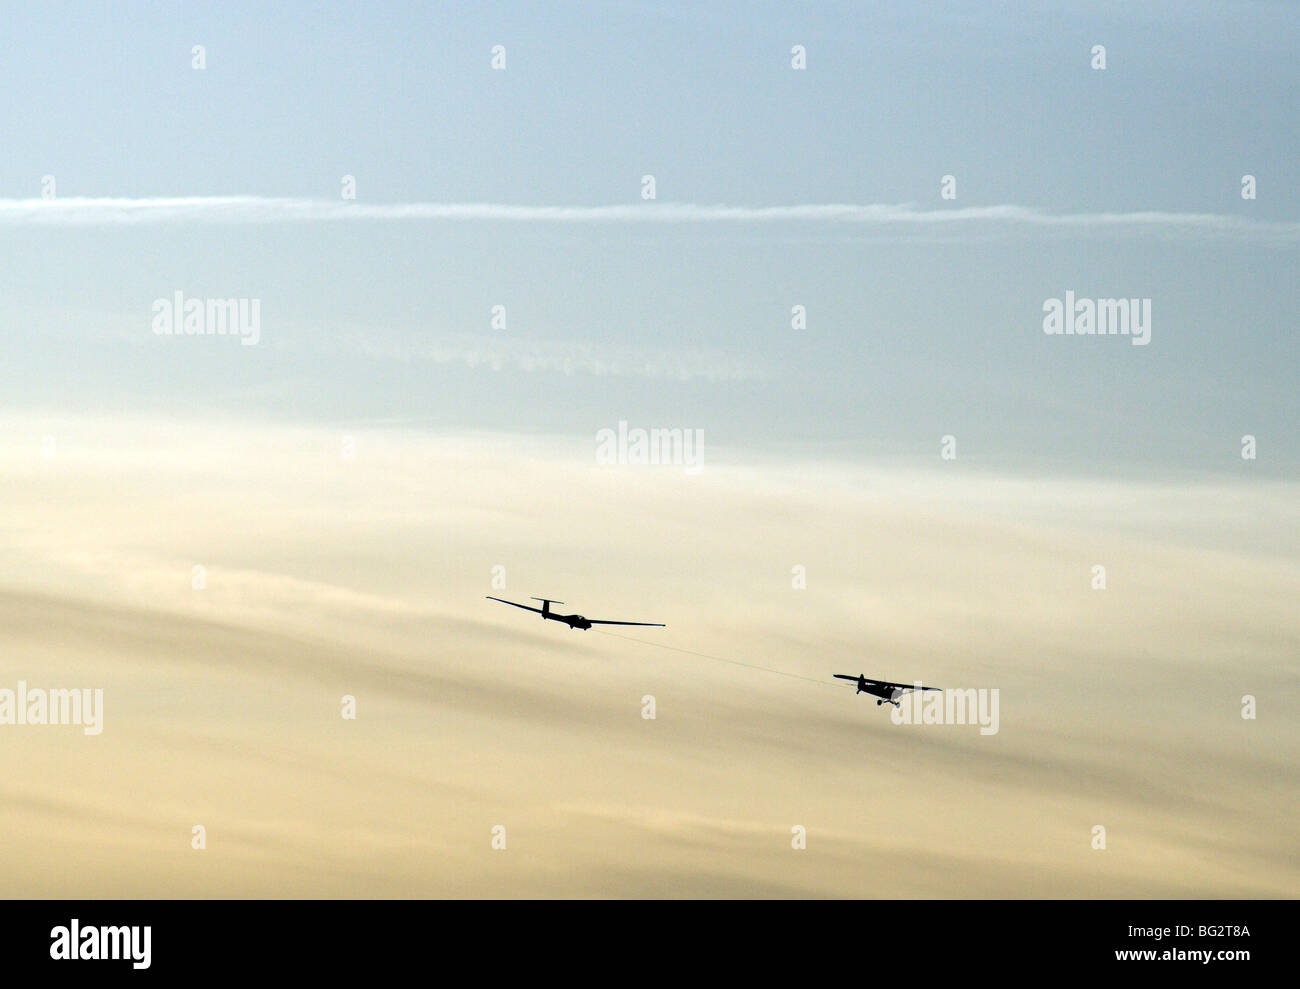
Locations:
column 887, row 691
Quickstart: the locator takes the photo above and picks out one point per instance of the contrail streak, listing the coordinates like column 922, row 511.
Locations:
column 82, row 211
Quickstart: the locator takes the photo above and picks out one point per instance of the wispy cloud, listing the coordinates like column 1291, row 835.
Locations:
column 82, row 211
column 365, row 577
column 558, row 357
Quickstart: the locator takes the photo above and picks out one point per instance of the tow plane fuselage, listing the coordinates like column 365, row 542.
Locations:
column 888, row 693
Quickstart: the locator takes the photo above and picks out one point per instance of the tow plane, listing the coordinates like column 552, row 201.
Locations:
column 573, row 621
column 888, row 693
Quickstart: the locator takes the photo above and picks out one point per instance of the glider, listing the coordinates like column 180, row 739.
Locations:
column 573, row 621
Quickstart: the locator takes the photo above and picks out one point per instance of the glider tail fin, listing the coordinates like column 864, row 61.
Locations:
column 546, row 605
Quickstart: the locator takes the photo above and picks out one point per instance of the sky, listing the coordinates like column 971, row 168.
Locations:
column 900, row 473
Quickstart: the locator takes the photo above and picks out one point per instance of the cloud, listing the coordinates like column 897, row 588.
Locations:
column 366, row 577
column 887, row 217
column 552, row 356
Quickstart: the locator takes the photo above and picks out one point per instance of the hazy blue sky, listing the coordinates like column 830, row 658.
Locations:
column 915, row 330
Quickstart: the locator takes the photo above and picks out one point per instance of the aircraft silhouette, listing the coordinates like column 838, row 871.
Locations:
column 886, row 691
column 573, row 621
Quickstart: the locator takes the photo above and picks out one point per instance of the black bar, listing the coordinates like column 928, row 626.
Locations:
column 334, row 938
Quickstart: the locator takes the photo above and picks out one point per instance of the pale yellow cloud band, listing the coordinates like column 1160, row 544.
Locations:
column 328, row 576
